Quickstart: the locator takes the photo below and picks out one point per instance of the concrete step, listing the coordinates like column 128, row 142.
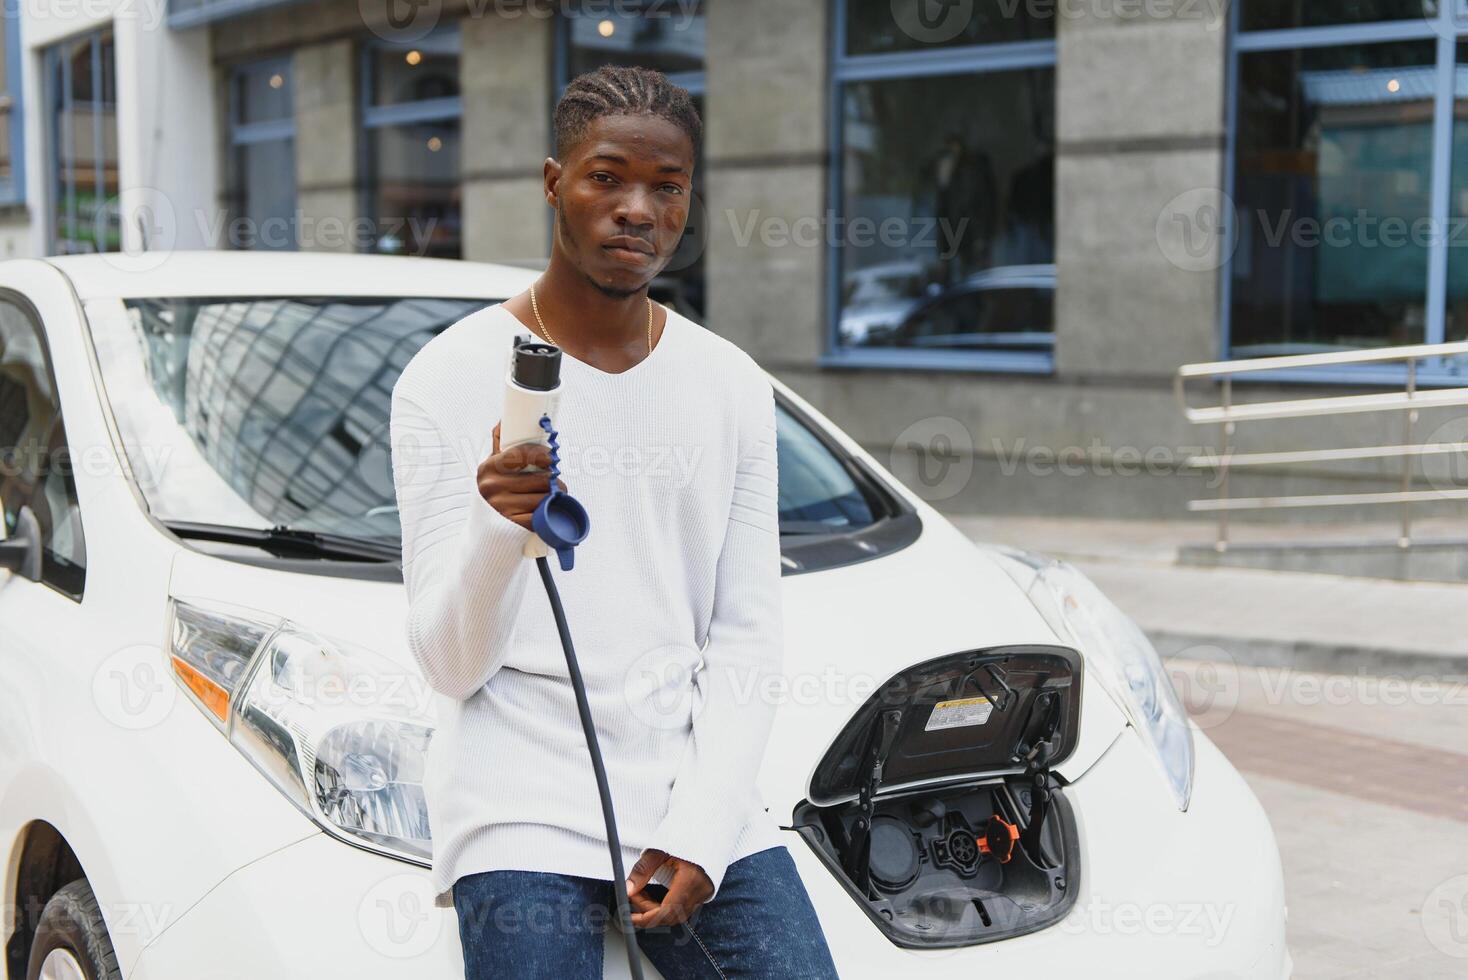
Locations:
column 1424, row 560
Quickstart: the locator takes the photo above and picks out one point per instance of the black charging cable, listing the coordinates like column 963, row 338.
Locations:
column 583, row 707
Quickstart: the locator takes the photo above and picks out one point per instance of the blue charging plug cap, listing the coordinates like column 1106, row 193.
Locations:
column 562, row 524
column 559, row 519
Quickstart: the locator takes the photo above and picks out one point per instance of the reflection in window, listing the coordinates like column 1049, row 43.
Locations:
column 35, row 464
column 878, row 26
column 1332, row 186
column 816, row 492
column 948, row 237
column 262, row 159
column 12, row 132
column 651, row 34
column 412, row 159
column 1260, row 15
column 1456, row 320
column 262, row 411
column 82, row 133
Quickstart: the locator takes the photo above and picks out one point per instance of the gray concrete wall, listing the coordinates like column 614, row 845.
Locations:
column 324, row 85
column 766, row 162
column 506, row 80
column 1140, row 121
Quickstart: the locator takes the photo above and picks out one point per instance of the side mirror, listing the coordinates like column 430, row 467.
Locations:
column 21, row 551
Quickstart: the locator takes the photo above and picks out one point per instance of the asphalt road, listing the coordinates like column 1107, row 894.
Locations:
column 1366, row 782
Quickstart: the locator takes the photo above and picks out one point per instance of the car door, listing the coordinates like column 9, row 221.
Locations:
column 70, row 641
column 39, row 617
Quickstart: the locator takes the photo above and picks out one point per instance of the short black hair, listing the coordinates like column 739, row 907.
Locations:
column 615, row 90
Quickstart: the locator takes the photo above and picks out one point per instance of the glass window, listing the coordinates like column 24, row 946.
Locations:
column 35, row 463
column 413, row 188
column 262, row 92
column 816, row 491
column 412, row 146
column 268, row 410
column 262, row 159
column 1455, row 325
column 643, row 33
column 1259, row 15
column 879, row 26
column 1333, row 167
column 947, row 212
column 12, row 127
column 82, row 131
column 408, row 74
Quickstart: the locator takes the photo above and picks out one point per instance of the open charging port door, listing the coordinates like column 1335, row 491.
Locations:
column 936, row 804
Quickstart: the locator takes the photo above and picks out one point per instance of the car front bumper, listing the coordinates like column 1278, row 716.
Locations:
column 1188, row 896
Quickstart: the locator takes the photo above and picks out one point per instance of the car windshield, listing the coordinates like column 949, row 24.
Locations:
column 260, row 412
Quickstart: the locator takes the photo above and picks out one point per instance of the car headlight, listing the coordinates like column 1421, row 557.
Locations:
column 1121, row 655
column 342, row 731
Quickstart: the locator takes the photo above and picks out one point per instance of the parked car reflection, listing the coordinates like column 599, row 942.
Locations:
column 1008, row 307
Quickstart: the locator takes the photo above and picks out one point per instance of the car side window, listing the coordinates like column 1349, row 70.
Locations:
column 945, row 319
column 35, row 463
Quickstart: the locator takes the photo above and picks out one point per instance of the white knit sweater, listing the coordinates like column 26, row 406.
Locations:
column 673, row 604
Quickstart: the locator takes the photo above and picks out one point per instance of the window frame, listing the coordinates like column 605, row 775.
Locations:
column 1446, row 31
column 242, row 134
column 208, row 11
column 372, row 117
column 969, row 59
column 27, row 309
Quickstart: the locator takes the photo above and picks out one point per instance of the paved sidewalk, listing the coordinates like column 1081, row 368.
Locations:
column 1366, row 784
column 1302, row 620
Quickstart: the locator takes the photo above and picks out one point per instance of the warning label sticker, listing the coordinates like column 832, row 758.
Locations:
column 959, row 714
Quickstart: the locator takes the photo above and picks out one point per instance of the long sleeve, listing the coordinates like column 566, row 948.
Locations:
column 715, row 782
column 462, row 560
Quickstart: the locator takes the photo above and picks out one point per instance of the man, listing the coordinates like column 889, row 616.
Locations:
column 667, row 436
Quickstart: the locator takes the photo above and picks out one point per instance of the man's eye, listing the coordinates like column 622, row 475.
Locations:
column 598, row 176
column 673, row 187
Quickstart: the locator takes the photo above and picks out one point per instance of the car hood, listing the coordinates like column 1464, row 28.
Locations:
column 847, row 630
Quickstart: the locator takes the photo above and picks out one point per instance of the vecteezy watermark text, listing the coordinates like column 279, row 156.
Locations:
column 941, row 21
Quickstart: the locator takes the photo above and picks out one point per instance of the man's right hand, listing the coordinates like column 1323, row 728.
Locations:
column 507, row 488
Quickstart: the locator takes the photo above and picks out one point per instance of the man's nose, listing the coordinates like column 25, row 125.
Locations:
column 636, row 208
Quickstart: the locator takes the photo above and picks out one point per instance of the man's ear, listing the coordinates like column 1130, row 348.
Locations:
column 551, row 175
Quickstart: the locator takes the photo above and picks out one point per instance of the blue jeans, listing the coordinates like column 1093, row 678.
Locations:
column 515, row 924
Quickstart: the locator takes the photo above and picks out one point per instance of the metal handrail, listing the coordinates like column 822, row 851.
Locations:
column 1227, row 415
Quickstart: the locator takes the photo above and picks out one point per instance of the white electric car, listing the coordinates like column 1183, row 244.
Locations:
column 212, row 734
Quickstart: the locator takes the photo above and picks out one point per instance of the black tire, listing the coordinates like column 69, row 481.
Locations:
column 71, row 923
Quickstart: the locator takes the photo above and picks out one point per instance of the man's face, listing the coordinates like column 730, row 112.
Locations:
column 622, row 199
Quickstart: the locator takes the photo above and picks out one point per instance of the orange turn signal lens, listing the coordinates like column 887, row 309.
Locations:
column 210, row 695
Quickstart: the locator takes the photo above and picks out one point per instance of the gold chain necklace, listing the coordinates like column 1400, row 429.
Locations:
column 536, row 308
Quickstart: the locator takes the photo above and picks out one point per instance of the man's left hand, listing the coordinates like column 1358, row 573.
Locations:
column 688, row 888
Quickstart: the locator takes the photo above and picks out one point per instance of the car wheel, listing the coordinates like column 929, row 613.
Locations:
column 71, row 939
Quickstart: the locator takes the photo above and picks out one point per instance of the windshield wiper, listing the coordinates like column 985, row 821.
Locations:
column 289, row 542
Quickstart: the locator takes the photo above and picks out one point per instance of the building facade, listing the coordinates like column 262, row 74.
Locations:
column 979, row 234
